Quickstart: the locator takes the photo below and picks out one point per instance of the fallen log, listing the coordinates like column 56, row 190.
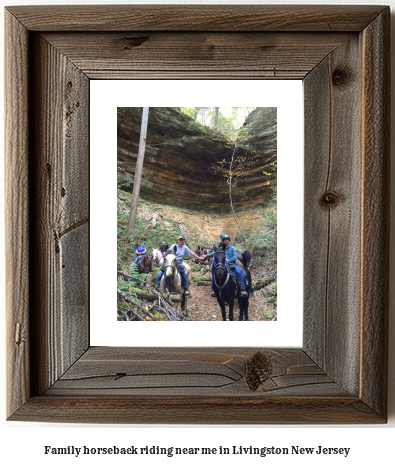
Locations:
column 152, row 297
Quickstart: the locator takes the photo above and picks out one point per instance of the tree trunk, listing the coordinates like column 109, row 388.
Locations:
column 137, row 173
column 230, row 190
column 216, row 113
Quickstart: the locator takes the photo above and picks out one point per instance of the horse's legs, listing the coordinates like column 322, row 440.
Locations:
column 241, row 310
column 246, row 302
column 223, row 311
column 184, row 305
column 231, row 303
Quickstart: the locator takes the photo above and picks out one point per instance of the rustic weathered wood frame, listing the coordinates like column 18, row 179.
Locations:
column 340, row 374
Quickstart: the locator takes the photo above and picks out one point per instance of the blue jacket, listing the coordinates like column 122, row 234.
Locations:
column 230, row 253
column 140, row 249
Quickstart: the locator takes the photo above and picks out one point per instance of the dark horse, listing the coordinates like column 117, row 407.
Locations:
column 145, row 264
column 225, row 288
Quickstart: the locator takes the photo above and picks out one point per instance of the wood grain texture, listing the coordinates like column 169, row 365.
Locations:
column 192, row 372
column 17, row 213
column 60, row 248
column 196, row 55
column 317, row 113
column 190, row 410
column 375, row 211
column 199, row 385
column 196, row 17
column 332, row 208
column 339, row 376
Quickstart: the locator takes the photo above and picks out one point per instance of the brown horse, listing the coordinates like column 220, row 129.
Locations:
column 171, row 280
column 145, row 264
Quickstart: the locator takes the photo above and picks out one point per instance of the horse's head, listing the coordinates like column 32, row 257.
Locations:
column 219, row 264
column 156, row 255
column 170, row 265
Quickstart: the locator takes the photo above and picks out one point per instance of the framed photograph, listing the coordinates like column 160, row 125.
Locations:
column 339, row 374
column 182, row 157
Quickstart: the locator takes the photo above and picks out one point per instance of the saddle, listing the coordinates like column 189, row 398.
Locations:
column 141, row 260
column 245, row 272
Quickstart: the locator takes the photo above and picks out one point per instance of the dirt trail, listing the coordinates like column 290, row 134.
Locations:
column 204, row 307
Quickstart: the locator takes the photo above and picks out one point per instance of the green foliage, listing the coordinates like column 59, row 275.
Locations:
column 195, row 127
column 134, row 271
column 269, row 315
column 227, row 121
column 151, row 237
column 125, row 285
column 264, row 236
column 273, row 297
column 125, row 183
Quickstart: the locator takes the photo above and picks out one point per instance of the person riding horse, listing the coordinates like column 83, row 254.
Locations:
column 182, row 250
column 163, row 248
column 231, row 256
column 140, row 250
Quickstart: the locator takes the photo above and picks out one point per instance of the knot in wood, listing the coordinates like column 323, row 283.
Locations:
column 135, row 41
column 339, row 77
column 330, row 199
column 259, row 369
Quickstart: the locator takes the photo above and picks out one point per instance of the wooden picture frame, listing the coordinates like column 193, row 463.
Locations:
column 340, row 374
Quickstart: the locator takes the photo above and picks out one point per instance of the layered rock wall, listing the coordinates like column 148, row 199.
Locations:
column 180, row 153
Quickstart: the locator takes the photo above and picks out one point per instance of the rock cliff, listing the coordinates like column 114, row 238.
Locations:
column 180, row 153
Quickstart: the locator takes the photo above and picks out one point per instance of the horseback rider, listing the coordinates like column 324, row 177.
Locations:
column 182, row 250
column 140, row 250
column 163, row 248
column 221, row 243
column 236, row 273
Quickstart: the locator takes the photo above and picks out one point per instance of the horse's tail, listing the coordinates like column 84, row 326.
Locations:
column 246, row 258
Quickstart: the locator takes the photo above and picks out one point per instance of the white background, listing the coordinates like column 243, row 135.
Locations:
column 106, row 96
column 21, row 444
